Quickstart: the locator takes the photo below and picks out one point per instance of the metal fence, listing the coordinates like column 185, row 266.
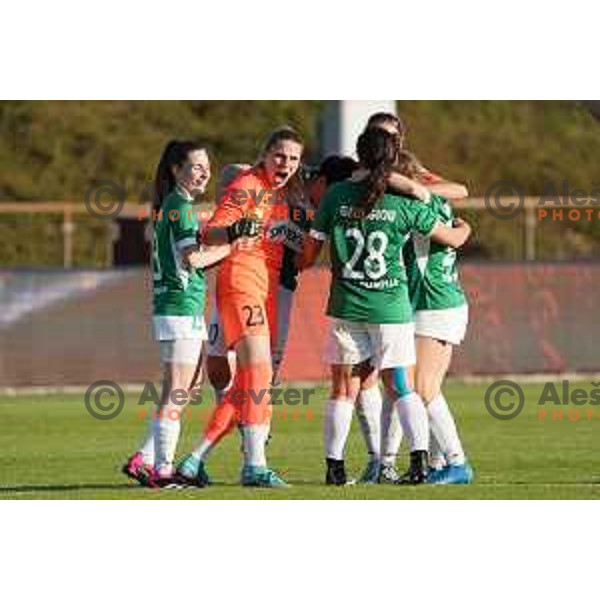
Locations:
column 69, row 223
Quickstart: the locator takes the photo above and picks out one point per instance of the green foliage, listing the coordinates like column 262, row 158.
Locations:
column 57, row 150
column 54, row 151
column 526, row 142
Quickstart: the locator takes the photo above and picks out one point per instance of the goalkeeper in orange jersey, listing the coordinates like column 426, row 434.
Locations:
column 246, row 293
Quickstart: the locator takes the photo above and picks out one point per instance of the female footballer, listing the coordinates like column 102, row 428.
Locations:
column 378, row 419
column 246, row 296
column 371, row 325
column 220, row 360
column 441, row 317
column 178, row 264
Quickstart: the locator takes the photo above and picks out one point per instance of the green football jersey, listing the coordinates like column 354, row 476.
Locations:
column 432, row 268
column 176, row 291
column 369, row 282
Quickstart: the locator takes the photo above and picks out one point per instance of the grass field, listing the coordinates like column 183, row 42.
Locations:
column 50, row 447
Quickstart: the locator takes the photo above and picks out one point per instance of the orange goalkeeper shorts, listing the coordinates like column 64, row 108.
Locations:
column 245, row 314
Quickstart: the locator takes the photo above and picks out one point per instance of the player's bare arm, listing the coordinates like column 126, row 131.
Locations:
column 199, row 257
column 400, row 184
column 449, row 189
column 455, row 236
column 440, row 186
column 407, row 187
column 422, row 190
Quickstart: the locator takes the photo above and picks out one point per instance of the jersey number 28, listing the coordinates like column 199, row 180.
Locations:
column 374, row 246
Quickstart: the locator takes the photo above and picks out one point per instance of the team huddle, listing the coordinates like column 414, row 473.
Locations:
column 395, row 309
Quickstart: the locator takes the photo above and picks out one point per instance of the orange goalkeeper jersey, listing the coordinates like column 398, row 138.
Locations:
column 251, row 266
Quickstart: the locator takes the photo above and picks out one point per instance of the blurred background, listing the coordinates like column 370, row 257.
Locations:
column 74, row 289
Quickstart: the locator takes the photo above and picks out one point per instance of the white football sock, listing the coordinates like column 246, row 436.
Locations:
column 254, row 439
column 166, row 436
column 444, row 429
column 391, row 432
column 437, row 460
column 368, row 411
column 413, row 416
column 338, row 418
column 147, row 447
column 202, row 449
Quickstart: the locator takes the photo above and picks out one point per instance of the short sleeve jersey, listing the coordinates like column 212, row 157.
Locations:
column 369, row 282
column 432, row 269
column 176, row 291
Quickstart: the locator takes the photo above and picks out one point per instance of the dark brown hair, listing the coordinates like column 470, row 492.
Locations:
column 175, row 153
column 408, row 165
column 287, row 134
column 383, row 118
column 378, row 152
column 337, row 168
column 283, row 134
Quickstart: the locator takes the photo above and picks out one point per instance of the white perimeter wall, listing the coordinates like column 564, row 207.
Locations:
column 344, row 120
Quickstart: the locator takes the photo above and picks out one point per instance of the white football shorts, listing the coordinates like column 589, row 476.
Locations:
column 447, row 325
column 169, row 328
column 184, row 352
column 388, row 345
column 180, row 338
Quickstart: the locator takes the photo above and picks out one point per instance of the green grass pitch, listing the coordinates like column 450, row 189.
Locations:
column 52, row 448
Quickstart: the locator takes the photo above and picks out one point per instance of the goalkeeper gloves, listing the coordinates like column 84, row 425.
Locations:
column 245, row 227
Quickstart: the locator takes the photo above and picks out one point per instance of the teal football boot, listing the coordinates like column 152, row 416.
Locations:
column 452, row 475
column 262, row 477
column 193, row 471
column 370, row 475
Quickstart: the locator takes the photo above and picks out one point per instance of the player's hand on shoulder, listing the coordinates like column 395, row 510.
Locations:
column 463, row 226
column 191, row 258
column 461, row 223
column 420, row 192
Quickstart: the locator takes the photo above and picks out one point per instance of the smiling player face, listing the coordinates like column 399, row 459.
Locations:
column 194, row 174
column 281, row 161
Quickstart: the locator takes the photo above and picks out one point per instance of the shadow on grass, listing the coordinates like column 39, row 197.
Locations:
column 68, row 487
column 130, row 487
column 30, row 488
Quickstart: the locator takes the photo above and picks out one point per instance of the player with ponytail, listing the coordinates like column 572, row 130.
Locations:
column 178, row 290
column 377, row 415
column 371, row 318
